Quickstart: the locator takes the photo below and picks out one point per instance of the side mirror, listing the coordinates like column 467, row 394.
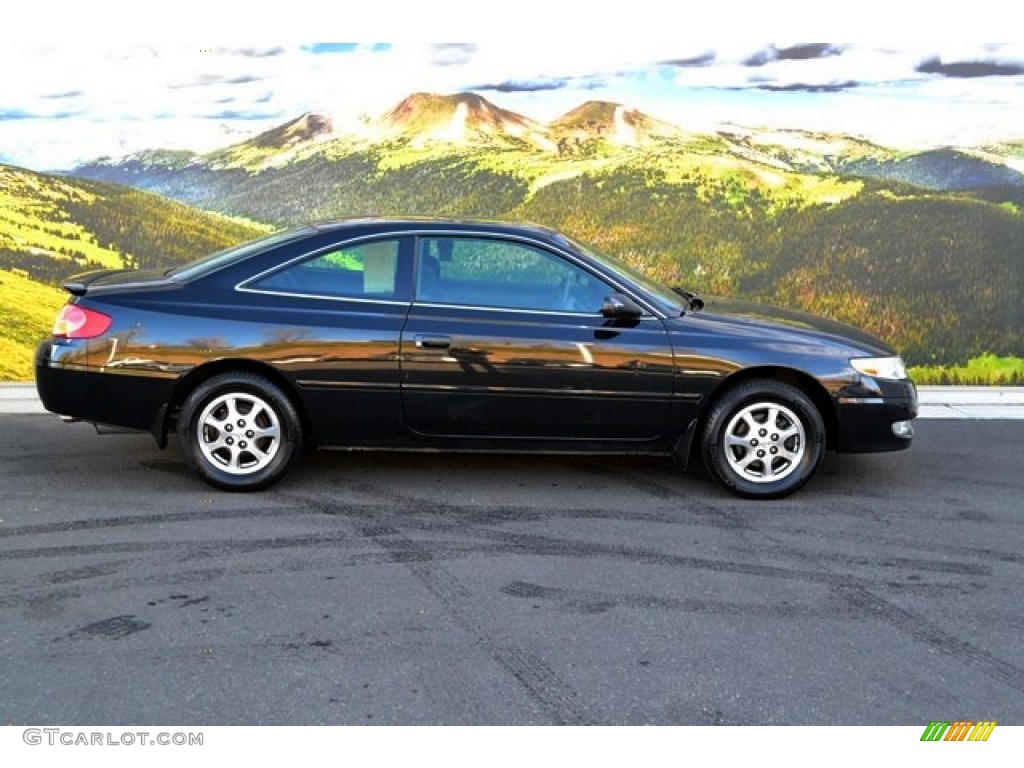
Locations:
column 619, row 306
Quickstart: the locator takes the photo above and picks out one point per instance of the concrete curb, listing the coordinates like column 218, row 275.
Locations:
column 936, row 402
column 941, row 402
column 20, row 398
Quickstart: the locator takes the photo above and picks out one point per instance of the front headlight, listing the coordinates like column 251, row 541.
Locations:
column 880, row 367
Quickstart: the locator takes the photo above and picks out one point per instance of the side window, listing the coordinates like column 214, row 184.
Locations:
column 363, row 271
column 497, row 273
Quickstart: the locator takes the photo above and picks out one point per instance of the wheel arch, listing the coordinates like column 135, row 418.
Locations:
column 187, row 383
column 802, row 381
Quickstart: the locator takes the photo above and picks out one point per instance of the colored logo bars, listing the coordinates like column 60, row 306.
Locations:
column 959, row 730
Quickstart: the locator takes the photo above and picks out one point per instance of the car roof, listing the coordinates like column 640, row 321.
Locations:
column 420, row 223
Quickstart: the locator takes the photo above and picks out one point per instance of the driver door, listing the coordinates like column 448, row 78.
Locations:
column 506, row 339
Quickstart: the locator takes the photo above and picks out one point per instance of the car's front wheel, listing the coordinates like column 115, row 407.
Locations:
column 763, row 439
column 239, row 431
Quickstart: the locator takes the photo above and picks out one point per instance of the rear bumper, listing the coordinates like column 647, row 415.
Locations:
column 68, row 387
column 62, row 380
column 866, row 424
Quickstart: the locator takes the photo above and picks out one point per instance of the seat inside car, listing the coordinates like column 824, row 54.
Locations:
column 429, row 288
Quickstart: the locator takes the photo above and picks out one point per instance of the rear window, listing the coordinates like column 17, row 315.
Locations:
column 362, row 271
column 235, row 253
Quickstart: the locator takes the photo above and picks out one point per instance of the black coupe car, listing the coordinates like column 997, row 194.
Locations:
column 461, row 335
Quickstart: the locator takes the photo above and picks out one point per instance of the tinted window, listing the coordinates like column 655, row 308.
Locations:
column 364, row 271
column 497, row 273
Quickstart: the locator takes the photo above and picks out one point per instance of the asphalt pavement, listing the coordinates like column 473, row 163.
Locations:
column 429, row 589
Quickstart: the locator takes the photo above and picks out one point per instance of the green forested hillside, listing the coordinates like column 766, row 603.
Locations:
column 52, row 226
column 942, row 278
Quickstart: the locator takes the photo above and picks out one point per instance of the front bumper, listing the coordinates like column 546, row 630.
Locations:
column 866, row 418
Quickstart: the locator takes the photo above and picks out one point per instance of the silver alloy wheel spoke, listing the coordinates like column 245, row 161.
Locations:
column 239, row 433
column 217, row 443
column 788, row 432
column 747, row 460
column 751, row 424
column 793, row 455
column 765, row 442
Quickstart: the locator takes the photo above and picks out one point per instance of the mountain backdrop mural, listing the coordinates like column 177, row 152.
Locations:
column 922, row 246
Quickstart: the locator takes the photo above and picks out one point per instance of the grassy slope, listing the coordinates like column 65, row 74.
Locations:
column 33, row 219
column 27, row 308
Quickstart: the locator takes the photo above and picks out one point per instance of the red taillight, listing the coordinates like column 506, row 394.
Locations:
column 75, row 322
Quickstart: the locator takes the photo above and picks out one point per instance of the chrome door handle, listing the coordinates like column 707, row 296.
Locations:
column 433, row 342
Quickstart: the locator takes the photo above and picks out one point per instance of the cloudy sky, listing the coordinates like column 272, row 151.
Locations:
column 71, row 103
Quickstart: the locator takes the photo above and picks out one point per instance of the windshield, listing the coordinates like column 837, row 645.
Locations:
column 230, row 255
column 669, row 299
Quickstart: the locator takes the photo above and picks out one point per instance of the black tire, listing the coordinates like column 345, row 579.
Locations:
column 763, row 439
column 239, row 431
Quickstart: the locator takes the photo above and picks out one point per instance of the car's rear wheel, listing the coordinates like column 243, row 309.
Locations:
column 239, row 431
column 763, row 439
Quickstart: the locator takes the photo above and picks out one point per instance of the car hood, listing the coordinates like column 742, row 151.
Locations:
column 792, row 323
